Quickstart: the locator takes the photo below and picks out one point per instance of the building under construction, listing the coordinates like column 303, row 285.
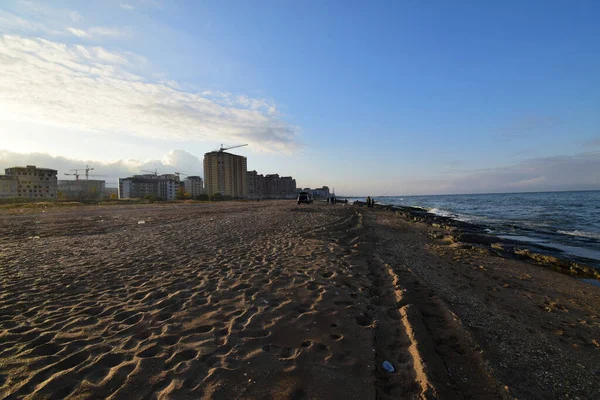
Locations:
column 89, row 189
column 29, row 182
column 225, row 173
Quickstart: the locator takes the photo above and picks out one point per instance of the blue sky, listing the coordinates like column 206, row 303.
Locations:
column 405, row 97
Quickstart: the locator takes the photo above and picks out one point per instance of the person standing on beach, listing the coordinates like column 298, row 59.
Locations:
column 368, row 201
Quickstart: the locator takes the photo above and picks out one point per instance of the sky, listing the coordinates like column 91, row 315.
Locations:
column 390, row 97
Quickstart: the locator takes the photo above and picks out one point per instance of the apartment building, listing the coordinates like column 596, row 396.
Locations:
column 270, row 186
column 225, row 173
column 163, row 186
column 32, row 182
column 8, row 186
column 194, row 185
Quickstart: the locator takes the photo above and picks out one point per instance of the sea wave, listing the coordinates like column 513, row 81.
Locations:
column 441, row 213
column 591, row 235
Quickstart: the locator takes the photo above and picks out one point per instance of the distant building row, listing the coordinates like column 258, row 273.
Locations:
column 165, row 186
column 270, row 186
column 225, row 174
column 228, row 175
column 35, row 183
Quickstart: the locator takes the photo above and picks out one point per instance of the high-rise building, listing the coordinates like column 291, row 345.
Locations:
column 194, row 186
column 33, row 182
column 254, row 185
column 287, row 187
column 225, row 173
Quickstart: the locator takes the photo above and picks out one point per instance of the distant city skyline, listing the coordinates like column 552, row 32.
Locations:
column 396, row 97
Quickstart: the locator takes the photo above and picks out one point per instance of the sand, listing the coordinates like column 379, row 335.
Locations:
column 275, row 300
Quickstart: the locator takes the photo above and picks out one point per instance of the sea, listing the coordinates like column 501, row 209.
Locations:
column 566, row 221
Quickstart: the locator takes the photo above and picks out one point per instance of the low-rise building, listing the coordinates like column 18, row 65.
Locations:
column 89, row 189
column 163, row 187
column 194, row 186
column 321, row 192
column 168, row 186
column 110, row 191
column 33, row 182
column 8, row 186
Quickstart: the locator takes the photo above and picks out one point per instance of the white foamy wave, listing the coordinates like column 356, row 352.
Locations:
column 592, row 235
column 441, row 213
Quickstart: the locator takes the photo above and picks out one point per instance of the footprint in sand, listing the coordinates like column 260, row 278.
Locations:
column 279, row 351
column 364, row 321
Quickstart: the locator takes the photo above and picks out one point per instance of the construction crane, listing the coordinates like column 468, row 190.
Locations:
column 180, row 173
column 222, row 149
column 155, row 172
column 76, row 175
column 87, row 170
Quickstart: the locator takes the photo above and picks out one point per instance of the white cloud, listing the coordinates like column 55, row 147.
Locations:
column 96, row 90
column 98, row 31
column 127, row 6
column 12, row 23
column 78, row 32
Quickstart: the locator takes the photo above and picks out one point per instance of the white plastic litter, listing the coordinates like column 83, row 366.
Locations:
column 141, row 222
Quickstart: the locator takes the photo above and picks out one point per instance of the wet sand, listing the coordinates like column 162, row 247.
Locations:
column 275, row 300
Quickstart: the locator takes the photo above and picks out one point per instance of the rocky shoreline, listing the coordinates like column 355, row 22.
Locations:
column 478, row 238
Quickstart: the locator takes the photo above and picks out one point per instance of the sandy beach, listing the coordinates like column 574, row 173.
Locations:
column 270, row 299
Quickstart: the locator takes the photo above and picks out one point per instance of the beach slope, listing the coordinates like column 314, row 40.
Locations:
column 275, row 300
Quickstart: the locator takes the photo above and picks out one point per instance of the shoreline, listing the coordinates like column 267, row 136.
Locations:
column 477, row 236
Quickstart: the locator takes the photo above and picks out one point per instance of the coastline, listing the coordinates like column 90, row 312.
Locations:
column 478, row 237
column 274, row 299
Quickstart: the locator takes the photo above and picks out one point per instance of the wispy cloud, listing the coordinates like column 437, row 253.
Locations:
column 127, row 7
column 574, row 172
column 78, row 32
column 98, row 31
column 10, row 23
column 96, row 90
column 527, row 183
